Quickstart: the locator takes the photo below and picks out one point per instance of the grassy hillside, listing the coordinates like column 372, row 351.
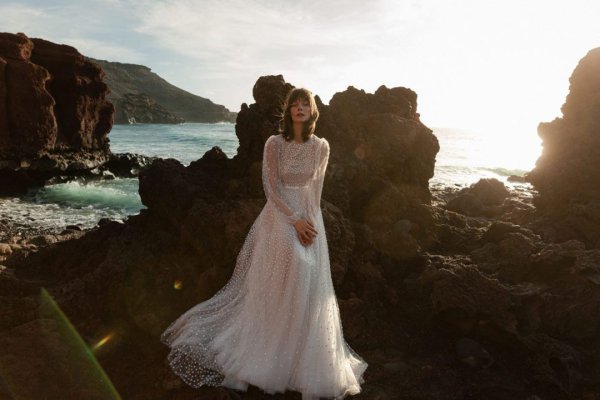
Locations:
column 125, row 80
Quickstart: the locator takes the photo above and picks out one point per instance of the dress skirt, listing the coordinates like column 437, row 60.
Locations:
column 276, row 323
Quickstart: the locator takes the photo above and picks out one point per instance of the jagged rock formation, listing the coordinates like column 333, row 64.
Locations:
column 483, row 198
column 53, row 111
column 381, row 162
column 460, row 307
column 165, row 103
column 566, row 174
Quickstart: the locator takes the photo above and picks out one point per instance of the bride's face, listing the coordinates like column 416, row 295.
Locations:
column 300, row 110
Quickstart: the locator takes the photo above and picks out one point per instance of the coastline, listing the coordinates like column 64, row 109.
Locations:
column 439, row 287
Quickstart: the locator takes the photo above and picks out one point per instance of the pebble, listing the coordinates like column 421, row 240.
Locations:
column 5, row 249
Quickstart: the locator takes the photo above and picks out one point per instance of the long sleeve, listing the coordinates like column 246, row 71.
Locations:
column 323, row 159
column 271, row 180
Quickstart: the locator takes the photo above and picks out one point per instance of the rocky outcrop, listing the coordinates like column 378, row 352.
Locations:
column 83, row 114
column 29, row 125
column 138, row 92
column 566, row 174
column 441, row 305
column 484, row 198
column 54, row 114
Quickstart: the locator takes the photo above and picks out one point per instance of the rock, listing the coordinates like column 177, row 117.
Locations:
column 108, row 175
column 43, row 240
column 499, row 229
column 59, row 117
column 516, row 178
column 462, row 296
column 473, row 354
column 37, row 344
column 509, row 257
column 480, row 199
column 466, row 203
column 413, row 281
column 490, row 191
column 126, row 165
column 566, row 174
column 396, row 367
column 83, row 115
column 5, row 249
column 105, row 220
column 33, row 128
column 255, row 123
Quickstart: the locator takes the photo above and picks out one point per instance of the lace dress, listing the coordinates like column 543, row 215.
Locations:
column 276, row 323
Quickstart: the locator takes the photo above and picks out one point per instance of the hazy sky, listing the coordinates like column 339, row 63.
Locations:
column 498, row 67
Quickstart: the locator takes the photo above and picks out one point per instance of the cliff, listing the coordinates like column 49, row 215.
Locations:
column 54, row 115
column 176, row 105
column 566, row 174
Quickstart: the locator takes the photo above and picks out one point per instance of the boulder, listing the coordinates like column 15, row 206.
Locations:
column 566, row 174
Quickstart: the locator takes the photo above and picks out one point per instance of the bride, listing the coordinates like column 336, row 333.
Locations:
column 276, row 323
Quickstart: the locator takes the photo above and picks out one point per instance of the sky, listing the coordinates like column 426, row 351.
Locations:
column 495, row 67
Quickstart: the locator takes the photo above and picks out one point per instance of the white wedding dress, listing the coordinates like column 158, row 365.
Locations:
column 276, row 323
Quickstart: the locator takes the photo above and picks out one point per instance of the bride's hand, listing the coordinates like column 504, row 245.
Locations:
column 306, row 231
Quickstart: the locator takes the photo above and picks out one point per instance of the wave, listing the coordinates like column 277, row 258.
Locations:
column 118, row 194
column 506, row 171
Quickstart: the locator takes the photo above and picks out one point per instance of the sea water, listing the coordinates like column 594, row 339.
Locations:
column 464, row 157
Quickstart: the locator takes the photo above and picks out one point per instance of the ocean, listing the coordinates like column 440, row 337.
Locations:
column 465, row 157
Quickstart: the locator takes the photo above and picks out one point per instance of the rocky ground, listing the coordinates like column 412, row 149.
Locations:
column 447, row 294
column 480, row 293
column 491, row 311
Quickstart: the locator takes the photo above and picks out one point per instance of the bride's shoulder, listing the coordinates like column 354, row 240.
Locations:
column 322, row 141
column 273, row 140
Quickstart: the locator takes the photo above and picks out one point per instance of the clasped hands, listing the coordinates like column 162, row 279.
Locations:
column 306, row 231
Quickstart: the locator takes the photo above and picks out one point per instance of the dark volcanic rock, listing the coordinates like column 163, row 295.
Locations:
column 500, row 314
column 127, row 164
column 30, row 126
column 382, row 158
column 483, row 198
column 183, row 247
column 566, row 174
column 58, row 119
column 83, row 114
column 256, row 122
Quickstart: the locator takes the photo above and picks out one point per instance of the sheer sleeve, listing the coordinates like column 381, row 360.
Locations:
column 322, row 160
column 271, row 180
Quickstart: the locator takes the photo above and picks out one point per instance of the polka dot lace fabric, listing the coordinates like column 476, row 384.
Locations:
column 276, row 323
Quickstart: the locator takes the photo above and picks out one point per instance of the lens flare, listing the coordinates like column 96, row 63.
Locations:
column 46, row 358
column 102, row 341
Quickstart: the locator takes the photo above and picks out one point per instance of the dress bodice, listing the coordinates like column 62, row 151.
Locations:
column 289, row 164
column 297, row 161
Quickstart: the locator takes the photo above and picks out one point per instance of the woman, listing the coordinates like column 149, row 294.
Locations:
column 276, row 323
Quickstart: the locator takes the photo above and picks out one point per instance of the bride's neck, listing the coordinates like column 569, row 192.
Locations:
column 298, row 128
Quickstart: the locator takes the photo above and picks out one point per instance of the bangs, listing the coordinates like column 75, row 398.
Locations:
column 298, row 94
column 285, row 124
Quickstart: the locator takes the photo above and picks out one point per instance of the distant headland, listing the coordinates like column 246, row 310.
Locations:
column 141, row 96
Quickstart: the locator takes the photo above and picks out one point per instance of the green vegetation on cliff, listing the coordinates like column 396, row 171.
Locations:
column 127, row 81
